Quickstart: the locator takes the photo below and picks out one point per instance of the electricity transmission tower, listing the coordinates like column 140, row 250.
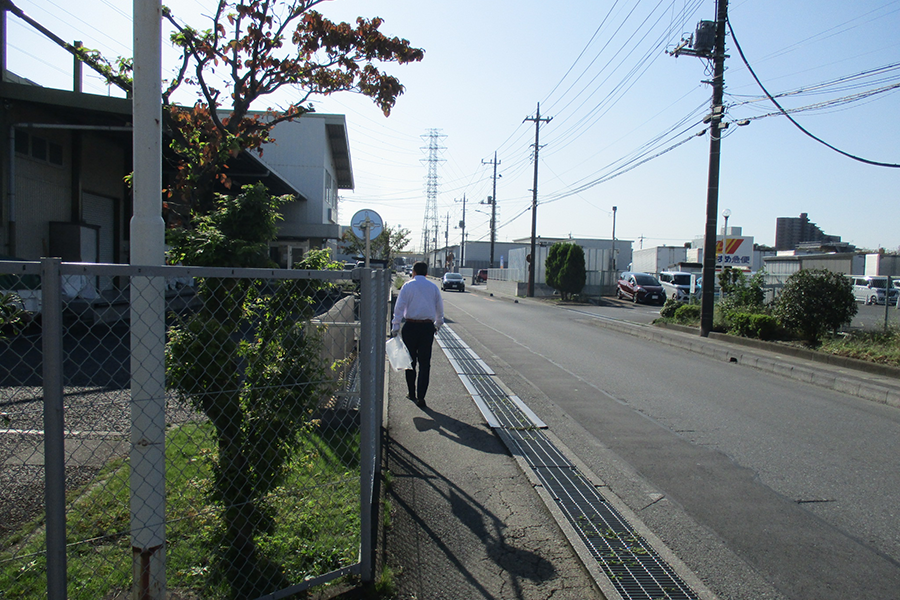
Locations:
column 430, row 224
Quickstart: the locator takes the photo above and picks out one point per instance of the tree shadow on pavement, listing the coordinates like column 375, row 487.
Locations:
column 438, row 526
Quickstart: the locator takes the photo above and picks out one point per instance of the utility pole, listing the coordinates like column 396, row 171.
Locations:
column 493, row 199
column 614, row 239
column 707, row 299
column 462, row 243
column 537, row 147
column 702, row 48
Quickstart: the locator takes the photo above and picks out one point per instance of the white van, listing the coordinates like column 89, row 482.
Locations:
column 677, row 284
column 871, row 289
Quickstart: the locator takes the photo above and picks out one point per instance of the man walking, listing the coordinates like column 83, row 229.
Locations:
column 421, row 309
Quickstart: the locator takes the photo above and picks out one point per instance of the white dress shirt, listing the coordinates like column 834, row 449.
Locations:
column 419, row 300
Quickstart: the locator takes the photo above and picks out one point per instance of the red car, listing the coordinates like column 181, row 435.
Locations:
column 640, row 287
column 481, row 277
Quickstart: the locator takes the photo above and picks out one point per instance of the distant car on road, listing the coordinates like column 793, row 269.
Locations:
column 640, row 287
column 453, row 281
column 481, row 276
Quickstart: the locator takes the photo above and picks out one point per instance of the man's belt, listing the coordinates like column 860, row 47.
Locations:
column 419, row 321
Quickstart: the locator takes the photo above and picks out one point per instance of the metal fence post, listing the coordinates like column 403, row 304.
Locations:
column 148, row 436
column 367, row 440
column 382, row 317
column 54, row 428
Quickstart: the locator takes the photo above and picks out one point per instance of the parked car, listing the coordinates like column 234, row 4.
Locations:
column 453, row 281
column 677, row 284
column 481, row 276
column 640, row 287
column 871, row 289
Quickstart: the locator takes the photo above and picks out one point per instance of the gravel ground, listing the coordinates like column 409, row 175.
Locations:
column 96, row 413
column 97, row 424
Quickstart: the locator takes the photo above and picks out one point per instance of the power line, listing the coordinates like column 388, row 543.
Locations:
column 791, row 119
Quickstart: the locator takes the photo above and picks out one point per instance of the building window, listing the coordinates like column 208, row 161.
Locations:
column 39, row 148
column 21, row 142
column 55, row 154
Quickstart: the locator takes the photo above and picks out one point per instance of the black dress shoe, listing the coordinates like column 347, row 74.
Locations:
column 412, row 397
column 420, row 402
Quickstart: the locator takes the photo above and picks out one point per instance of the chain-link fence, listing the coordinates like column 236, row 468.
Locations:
column 189, row 432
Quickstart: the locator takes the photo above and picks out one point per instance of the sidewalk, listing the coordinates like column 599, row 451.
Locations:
column 466, row 522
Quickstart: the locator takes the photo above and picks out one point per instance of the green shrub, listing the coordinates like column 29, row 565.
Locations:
column 721, row 317
column 668, row 309
column 814, row 302
column 740, row 295
column 687, row 314
column 566, row 269
column 754, row 325
column 12, row 316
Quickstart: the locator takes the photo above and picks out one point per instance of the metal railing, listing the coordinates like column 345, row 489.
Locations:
column 177, row 430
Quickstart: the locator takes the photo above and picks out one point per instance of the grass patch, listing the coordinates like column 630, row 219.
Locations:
column 881, row 347
column 316, row 515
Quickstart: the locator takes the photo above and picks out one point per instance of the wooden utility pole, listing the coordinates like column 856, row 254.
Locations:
column 537, row 147
column 707, row 299
column 709, row 43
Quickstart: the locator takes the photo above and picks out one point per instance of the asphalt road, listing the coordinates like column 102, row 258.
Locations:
column 765, row 487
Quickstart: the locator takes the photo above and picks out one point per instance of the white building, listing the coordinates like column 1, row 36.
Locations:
column 312, row 154
column 658, row 258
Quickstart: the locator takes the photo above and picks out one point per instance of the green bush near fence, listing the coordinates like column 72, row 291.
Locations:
column 754, row 325
column 316, row 512
column 687, row 314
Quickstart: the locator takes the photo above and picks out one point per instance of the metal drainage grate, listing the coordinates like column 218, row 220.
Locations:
column 632, row 566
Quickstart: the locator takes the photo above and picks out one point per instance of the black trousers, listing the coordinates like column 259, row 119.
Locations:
column 418, row 338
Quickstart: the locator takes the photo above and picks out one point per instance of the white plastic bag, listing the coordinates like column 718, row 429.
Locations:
column 398, row 354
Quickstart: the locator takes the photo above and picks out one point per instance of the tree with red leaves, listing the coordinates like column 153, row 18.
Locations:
column 253, row 49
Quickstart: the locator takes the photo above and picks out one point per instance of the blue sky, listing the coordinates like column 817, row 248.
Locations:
column 599, row 69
